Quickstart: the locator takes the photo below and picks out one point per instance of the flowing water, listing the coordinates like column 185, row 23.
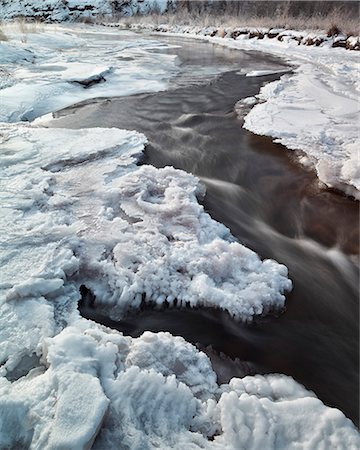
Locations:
column 270, row 203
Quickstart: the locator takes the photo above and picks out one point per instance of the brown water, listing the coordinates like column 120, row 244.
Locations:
column 272, row 205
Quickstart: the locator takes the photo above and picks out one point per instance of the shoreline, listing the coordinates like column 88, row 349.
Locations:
column 314, row 115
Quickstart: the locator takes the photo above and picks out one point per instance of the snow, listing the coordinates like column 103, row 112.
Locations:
column 63, row 75
column 315, row 110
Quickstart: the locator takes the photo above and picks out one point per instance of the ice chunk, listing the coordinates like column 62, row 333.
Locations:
column 128, row 233
column 102, row 386
column 172, row 251
column 80, row 410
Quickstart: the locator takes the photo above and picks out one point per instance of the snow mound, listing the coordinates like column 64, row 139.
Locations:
column 95, row 386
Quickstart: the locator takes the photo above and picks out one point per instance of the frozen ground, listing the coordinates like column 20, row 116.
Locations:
column 77, row 210
column 315, row 110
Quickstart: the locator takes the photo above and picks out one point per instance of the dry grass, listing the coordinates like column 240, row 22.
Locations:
column 275, row 15
column 20, row 26
column 3, row 36
column 27, row 27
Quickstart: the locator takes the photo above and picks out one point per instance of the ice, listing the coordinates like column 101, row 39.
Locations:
column 78, row 210
column 304, row 113
column 315, row 110
column 261, row 73
column 129, row 233
column 96, row 385
column 63, row 74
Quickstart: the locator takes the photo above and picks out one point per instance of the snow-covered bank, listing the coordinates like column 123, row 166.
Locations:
column 71, row 10
column 315, row 110
column 54, row 68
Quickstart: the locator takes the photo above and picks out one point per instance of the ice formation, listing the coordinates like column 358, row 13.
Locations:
column 136, row 233
column 94, row 386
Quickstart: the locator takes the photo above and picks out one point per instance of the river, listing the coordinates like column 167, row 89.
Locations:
column 271, row 204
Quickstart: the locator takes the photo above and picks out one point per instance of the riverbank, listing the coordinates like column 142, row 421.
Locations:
column 314, row 111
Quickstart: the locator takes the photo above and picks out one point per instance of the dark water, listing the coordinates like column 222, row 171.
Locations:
column 273, row 206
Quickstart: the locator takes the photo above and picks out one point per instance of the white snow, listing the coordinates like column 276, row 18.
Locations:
column 119, row 65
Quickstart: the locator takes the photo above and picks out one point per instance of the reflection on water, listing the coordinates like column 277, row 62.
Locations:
column 270, row 204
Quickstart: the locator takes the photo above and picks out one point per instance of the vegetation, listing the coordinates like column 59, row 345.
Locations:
column 3, row 36
column 329, row 16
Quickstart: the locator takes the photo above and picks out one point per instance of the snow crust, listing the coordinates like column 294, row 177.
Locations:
column 62, row 76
